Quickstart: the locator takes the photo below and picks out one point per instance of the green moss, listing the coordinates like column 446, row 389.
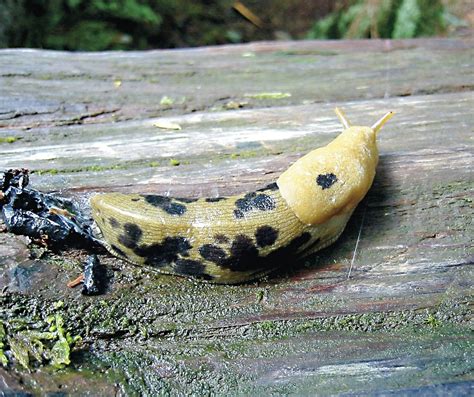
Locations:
column 166, row 101
column 108, row 167
column 247, row 154
column 3, row 358
column 58, row 304
column 89, row 168
column 9, row 139
column 432, row 321
column 148, row 335
column 306, row 53
column 269, row 95
column 29, row 341
column 174, row 162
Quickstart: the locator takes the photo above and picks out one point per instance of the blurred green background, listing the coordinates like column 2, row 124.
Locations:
column 94, row 25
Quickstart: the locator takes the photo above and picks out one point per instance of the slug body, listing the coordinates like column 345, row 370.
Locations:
column 240, row 238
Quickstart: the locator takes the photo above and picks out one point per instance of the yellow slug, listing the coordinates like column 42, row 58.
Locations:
column 240, row 238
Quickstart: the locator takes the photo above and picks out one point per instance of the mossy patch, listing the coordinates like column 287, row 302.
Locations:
column 9, row 139
column 152, row 337
column 174, row 162
column 324, row 53
column 269, row 95
column 40, row 343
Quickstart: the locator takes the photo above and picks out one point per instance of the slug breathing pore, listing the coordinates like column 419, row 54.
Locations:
column 240, row 238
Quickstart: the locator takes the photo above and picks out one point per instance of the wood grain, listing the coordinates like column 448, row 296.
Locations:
column 84, row 123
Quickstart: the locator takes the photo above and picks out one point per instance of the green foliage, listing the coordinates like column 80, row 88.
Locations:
column 79, row 24
column 85, row 35
column 113, row 24
column 95, row 25
column 8, row 139
column 408, row 16
column 382, row 18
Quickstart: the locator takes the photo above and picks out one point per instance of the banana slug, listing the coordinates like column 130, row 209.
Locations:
column 240, row 238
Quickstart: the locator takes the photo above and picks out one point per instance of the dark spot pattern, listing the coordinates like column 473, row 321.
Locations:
column 244, row 255
column 253, row 201
column 169, row 251
column 215, row 199
column 243, row 252
column 164, row 253
column 266, row 236
column 221, row 239
column 186, row 199
column 272, row 186
column 166, row 204
column 213, row 253
column 114, row 223
column 135, row 199
column 160, row 254
column 297, row 242
column 131, row 236
column 189, row 267
column 326, row 180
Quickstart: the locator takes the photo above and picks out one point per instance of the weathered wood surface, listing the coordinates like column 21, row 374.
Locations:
column 402, row 322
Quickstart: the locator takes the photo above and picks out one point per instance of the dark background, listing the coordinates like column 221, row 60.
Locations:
column 94, row 25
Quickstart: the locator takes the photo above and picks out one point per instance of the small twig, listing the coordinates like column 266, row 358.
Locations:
column 76, row 281
column 60, row 211
column 247, row 14
column 357, row 242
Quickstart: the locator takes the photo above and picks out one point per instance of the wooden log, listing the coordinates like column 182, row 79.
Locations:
column 86, row 123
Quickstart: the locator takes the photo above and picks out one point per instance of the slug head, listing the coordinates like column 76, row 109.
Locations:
column 333, row 179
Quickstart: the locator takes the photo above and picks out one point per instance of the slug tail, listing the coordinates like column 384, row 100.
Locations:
column 380, row 123
column 342, row 116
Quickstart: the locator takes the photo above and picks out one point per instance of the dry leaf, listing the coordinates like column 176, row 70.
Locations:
column 166, row 125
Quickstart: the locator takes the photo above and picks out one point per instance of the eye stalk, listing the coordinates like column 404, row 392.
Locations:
column 380, row 123
column 376, row 127
column 343, row 118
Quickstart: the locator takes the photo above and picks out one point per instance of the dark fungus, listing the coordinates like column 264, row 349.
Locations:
column 52, row 220
column 94, row 276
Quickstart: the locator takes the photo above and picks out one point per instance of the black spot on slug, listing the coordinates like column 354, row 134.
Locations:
column 253, row 201
column 131, row 236
column 238, row 214
column 213, row 253
column 165, row 252
column 326, row 180
column 215, row 199
column 298, row 242
column 265, row 236
column 135, row 199
column 114, row 223
column 271, row 186
column 189, row 267
column 244, row 255
column 264, row 202
column 166, row 204
column 221, row 239
column 186, row 199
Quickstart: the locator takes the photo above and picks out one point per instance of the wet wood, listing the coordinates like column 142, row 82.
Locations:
column 86, row 123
